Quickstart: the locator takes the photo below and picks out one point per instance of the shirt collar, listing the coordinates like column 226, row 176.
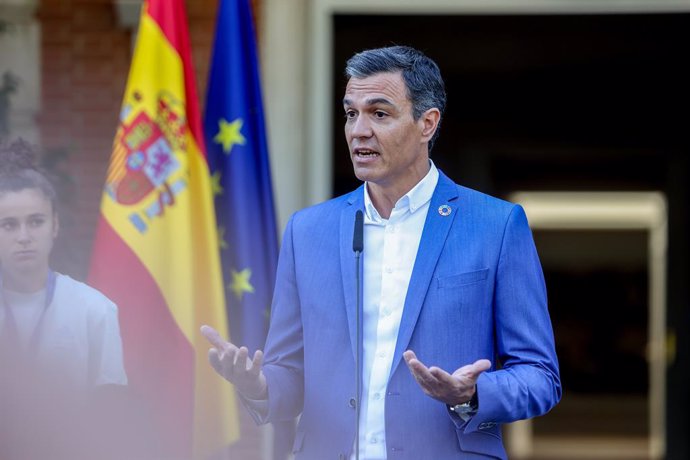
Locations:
column 417, row 197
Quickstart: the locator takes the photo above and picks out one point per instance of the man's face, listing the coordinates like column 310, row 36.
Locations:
column 28, row 227
column 387, row 146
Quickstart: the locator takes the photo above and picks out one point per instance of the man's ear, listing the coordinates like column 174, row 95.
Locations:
column 429, row 122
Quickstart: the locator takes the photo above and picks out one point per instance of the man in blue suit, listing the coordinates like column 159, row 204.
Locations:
column 451, row 280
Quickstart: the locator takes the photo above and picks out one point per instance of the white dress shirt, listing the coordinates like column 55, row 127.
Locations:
column 390, row 250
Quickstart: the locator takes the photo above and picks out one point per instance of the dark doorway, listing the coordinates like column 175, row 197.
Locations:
column 599, row 303
column 565, row 102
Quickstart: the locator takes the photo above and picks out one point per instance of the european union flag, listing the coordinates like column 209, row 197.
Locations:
column 241, row 178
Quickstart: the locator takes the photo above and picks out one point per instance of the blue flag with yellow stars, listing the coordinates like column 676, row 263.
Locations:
column 241, row 178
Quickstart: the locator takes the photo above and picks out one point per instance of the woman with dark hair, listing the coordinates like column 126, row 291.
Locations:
column 59, row 338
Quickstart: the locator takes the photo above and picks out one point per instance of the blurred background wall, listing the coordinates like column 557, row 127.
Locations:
column 544, row 96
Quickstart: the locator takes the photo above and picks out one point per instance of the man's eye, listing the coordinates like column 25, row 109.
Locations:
column 350, row 114
column 380, row 114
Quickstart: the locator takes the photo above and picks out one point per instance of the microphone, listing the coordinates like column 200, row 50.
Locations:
column 358, row 247
column 358, row 237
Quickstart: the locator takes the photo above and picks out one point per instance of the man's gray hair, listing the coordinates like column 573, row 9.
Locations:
column 422, row 77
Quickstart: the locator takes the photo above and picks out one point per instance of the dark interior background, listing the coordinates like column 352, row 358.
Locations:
column 597, row 283
column 561, row 102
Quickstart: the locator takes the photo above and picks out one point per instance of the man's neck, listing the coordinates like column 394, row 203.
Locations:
column 385, row 196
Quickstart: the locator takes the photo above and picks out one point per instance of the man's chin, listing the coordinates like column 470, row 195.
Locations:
column 365, row 174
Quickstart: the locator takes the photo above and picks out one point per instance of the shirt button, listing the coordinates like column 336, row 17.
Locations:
column 389, row 269
column 381, row 354
column 386, row 311
column 377, row 396
column 373, row 440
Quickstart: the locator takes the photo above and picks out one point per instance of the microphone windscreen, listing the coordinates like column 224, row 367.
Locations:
column 358, row 237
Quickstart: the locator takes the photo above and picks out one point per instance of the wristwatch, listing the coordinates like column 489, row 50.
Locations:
column 468, row 408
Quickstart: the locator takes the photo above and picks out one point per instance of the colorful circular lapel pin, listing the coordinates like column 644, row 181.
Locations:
column 444, row 210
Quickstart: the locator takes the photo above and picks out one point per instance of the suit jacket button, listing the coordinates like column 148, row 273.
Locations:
column 352, row 403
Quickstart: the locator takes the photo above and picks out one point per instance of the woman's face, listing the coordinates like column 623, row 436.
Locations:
column 28, row 227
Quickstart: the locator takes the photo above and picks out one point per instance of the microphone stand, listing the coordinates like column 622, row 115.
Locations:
column 358, row 247
column 358, row 360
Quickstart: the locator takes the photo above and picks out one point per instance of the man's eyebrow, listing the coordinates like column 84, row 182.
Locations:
column 373, row 101
column 379, row 100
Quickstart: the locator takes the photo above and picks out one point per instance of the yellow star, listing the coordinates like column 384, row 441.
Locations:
column 216, row 187
column 222, row 244
column 240, row 283
column 229, row 134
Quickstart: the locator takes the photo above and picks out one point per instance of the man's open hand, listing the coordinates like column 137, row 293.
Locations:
column 234, row 365
column 451, row 389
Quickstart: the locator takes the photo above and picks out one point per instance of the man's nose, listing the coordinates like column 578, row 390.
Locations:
column 361, row 127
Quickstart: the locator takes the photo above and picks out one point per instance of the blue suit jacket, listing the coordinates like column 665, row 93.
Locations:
column 476, row 291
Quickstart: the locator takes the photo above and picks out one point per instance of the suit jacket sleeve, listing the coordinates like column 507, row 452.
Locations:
column 528, row 384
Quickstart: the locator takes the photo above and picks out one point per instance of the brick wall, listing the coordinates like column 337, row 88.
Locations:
column 85, row 61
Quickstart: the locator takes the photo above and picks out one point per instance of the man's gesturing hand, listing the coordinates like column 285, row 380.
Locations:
column 234, row 365
column 439, row 384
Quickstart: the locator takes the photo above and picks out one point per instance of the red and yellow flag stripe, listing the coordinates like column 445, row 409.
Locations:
column 156, row 251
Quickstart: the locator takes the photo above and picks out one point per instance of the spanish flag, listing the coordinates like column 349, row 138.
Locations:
column 156, row 248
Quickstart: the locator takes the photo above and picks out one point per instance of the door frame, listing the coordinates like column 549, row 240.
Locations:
column 646, row 211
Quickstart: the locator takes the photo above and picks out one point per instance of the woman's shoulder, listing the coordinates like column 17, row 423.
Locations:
column 76, row 293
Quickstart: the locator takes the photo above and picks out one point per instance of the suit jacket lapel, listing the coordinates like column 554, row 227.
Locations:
column 433, row 239
column 347, row 260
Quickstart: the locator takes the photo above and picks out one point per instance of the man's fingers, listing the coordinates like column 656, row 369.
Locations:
column 213, row 336
column 226, row 350
column 472, row 371
column 419, row 371
column 257, row 361
column 482, row 365
column 440, row 384
column 413, row 362
column 214, row 359
column 241, row 361
column 477, row 367
column 408, row 355
column 441, row 375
